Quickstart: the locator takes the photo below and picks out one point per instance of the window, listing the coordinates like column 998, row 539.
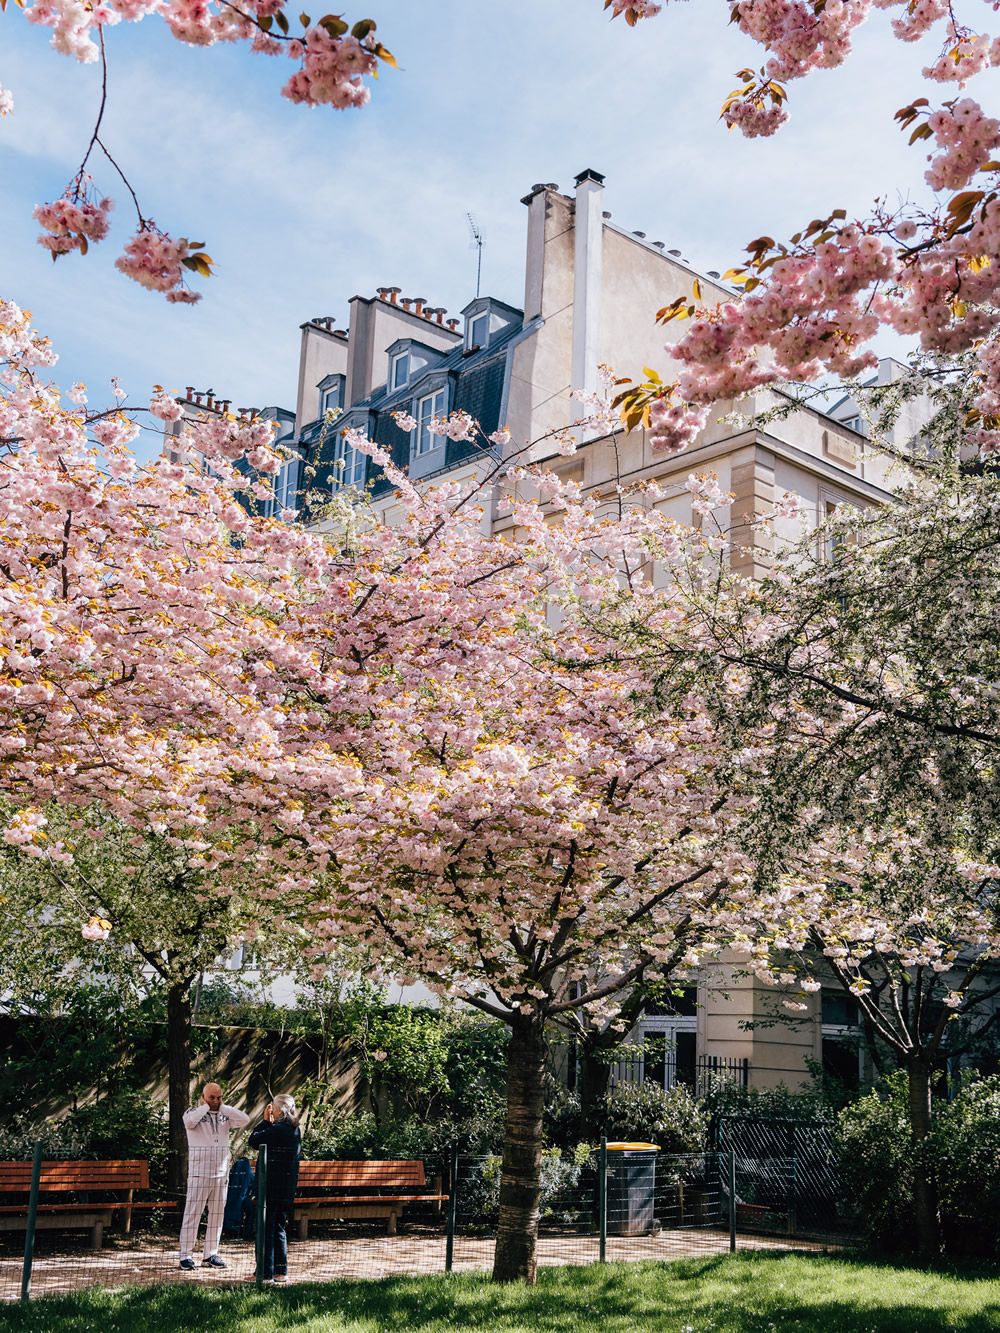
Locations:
column 331, row 399
column 286, row 484
column 348, row 466
column 843, row 1057
column 479, row 330
column 434, row 405
column 399, row 370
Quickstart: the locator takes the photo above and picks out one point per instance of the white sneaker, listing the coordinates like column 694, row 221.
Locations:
column 282, row 1279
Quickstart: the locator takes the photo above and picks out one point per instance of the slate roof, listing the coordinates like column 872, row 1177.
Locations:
column 476, row 387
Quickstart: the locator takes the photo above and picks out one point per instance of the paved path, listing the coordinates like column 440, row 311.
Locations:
column 321, row 1259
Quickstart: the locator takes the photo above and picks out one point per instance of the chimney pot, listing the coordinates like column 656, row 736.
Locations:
column 552, row 186
column 453, row 324
column 440, row 313
column 676, row 253
column 393, row 293
column 197, row 399
column 189, row 392
column 418, row 304
column 404, row 301
column 606, row 217
column 341, row 333
column 659, row 244
column 641, row 235
column 712, row 273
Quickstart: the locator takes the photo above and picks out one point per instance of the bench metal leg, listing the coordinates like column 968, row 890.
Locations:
column 96, row 1235
column 303, row 1227
column 390, row 1225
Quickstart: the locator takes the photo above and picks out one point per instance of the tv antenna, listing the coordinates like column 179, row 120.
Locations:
column 478, row 241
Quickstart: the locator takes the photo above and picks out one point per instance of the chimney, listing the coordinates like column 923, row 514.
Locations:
column 404, row 301
column 189, row 393
column 418, row 304
column 587, row 255
column 360, row 351
column 453, row 325
column 383, row 293
column 440, row 314
column 393, row 294
column 197, row 399
column 340, row 333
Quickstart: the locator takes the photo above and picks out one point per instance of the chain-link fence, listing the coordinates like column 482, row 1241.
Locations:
column 69, row 1225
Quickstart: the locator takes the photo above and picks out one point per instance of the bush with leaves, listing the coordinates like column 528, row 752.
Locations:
column 876, row 1164
column 675, row 1121
column 810, row 1104
column 965, row 1148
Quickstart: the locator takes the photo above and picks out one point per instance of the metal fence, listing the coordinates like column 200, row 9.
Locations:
column 600, row 1206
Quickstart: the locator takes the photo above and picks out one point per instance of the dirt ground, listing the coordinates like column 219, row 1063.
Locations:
column 144, row 1259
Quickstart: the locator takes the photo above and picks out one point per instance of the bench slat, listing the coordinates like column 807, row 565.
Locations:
column 67, row 1176
column 371, row 1198
column 344, row 1175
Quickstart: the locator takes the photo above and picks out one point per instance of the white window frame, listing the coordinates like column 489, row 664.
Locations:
column 327, row 405
column 352, row 473
column 428, row 408
column 473, row 341
column 399, row 359
column 286, row 483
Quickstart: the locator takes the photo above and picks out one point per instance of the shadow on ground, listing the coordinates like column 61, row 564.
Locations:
column 742, row 1293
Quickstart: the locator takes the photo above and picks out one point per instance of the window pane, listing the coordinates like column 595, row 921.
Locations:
column 400, row 370
column 479, row 331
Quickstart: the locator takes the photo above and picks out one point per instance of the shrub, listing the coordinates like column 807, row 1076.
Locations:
column 363, row 1137
column 479, row 1199
column 965, row 1147
column 876, row 1163
column 673, row 1120
column 727, row 1097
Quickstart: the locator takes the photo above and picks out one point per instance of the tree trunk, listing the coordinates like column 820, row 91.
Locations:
column 520, row 1186
column 925, row 1204
column 178, row 1080
column 594, row 1077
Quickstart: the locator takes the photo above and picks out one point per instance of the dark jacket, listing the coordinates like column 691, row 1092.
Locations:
column 284, row 1148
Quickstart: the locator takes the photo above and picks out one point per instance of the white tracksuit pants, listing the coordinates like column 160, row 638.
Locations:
column 202, row 1190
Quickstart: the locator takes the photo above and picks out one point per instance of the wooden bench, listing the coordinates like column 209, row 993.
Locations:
column 367, row 1181
column 74, row 1178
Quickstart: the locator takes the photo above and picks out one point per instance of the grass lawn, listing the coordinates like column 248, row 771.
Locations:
column 752, row 1292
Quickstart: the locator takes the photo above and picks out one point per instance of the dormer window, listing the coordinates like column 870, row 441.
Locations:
column 331, row 399
column 399, row 371
column 479, row 330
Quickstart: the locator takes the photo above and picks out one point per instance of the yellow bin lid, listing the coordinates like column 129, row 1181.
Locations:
column 633, row 1147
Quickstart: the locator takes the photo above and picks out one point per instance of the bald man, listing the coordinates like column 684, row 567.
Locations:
column 208, row 1126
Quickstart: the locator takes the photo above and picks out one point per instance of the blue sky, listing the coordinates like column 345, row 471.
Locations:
column 303, row 208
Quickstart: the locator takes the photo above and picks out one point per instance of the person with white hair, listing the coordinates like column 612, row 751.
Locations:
column 208, row 1127
column 280, row 1133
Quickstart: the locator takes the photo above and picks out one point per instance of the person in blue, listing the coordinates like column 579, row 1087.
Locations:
column 279, row 1131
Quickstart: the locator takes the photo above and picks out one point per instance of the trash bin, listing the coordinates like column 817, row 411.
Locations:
column 631, row 1188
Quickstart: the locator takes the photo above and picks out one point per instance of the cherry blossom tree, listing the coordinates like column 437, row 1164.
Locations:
column 415, row 725
column 151, row 922
column 907, row 924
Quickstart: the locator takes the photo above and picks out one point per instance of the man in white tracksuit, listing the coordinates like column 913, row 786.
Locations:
column 208, row 1126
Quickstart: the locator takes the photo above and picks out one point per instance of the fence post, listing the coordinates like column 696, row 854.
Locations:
column 449, row 1245
column 29, row 1234
column 793, row 1196
column 261, row 1212
column 732, row 1200
column 602, row 1196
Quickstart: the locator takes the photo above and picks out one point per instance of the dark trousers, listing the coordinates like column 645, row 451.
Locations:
column 275, row 1250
